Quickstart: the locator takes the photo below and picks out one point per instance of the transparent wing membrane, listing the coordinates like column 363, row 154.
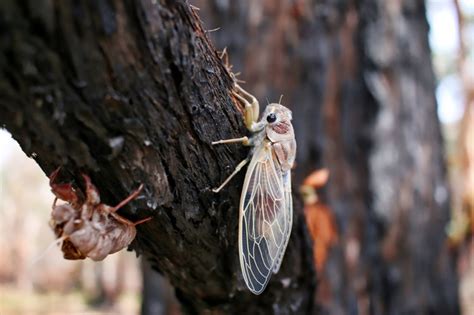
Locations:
column 265, row 219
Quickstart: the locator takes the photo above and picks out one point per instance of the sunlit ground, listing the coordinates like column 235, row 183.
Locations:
column 15, row 301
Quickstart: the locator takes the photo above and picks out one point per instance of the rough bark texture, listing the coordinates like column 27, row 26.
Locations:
column 359, row 79
column 133, row 92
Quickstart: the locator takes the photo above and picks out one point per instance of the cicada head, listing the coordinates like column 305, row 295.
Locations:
column 278, row 123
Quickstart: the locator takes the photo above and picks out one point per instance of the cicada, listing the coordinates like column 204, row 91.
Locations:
column 266, row 205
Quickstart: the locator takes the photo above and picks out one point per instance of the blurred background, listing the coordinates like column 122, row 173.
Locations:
column 276, row 55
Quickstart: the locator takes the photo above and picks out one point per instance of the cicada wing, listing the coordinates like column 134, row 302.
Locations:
column 265, row 220
column 289, row 216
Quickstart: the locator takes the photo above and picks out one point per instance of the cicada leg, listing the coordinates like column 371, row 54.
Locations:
column 244, row 140
column 237, row 169
column 132, row 196
column 252, row 111
column 121, row 219
column 252, row 108
column 62, row 191
column 142, row 221
column 126, row 221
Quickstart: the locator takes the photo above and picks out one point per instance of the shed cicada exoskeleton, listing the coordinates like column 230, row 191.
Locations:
column 266, row 205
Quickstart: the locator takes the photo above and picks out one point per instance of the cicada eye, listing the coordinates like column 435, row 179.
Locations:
column 271, row 118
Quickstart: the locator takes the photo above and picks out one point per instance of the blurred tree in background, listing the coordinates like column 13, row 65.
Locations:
column 359, row 79
column 458, row 67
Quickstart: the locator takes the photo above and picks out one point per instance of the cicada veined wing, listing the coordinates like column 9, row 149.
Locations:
column 266, row 212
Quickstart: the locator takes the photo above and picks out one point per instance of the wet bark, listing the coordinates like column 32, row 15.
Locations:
column 359, row 79
column 133, row 92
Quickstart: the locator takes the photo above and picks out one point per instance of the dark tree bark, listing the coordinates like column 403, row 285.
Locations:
column 133, row 92
column 359, row 79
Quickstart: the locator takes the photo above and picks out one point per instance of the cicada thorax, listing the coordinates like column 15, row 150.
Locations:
column 280, row 130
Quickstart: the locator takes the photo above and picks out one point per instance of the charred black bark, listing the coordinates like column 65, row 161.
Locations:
column 133, row 92
column 359, row 79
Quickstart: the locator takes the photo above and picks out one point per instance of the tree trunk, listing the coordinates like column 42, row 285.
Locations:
column 133, row 92
column 359, row 79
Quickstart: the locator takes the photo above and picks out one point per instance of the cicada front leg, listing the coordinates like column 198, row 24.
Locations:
column 252, row 108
